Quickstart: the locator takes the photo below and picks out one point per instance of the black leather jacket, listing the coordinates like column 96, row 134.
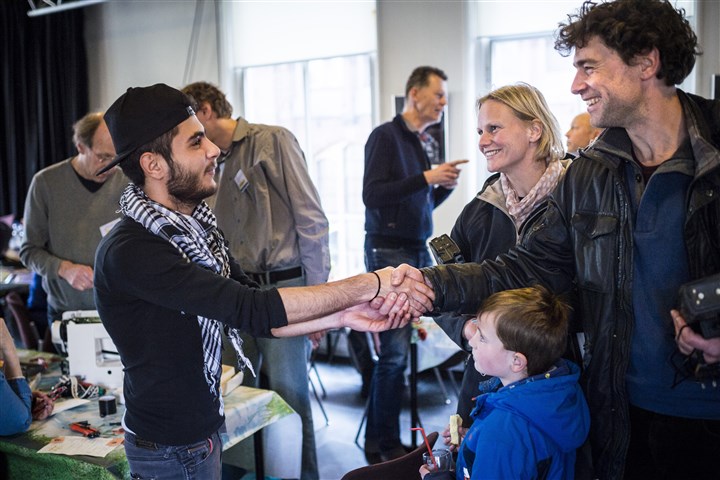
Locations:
column 584, row 241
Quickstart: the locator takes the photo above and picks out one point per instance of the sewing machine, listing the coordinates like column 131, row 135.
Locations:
column 91, row 352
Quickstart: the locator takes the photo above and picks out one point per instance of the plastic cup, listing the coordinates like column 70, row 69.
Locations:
column 443, row 460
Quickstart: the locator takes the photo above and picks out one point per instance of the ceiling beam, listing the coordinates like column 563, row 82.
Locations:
column 59, row 6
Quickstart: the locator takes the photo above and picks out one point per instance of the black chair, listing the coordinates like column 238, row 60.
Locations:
column 25, row 326
column 313, row 368
column 402, row 468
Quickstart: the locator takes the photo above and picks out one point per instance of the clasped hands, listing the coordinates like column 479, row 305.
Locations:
column 403, row 296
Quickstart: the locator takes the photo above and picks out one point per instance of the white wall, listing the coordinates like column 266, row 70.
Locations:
column 299, row 30
column 136, row 43
column 139, row 42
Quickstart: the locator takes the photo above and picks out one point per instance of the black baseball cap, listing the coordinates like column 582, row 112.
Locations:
column 141, row 115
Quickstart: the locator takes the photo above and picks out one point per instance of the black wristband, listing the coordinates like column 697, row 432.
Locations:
column 677, row 337
column 379, row 284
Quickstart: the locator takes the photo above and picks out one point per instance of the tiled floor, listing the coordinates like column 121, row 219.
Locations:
column 336, row 448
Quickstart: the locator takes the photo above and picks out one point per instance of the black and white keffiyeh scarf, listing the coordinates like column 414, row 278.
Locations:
column 520, row 209
column 197, row 238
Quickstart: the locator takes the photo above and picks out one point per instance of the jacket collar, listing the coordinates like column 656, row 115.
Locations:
column 701, row 119
column 242, row 129
column 400, row 122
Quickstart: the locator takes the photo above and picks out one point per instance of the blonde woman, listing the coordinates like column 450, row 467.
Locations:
column 522, row 143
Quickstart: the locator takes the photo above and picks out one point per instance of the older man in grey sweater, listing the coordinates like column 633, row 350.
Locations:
column 67, row 211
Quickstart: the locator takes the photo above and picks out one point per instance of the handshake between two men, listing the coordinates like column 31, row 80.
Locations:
column 404, row 292
column 370, row 302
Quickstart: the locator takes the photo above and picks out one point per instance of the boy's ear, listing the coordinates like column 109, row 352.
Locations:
column 519, row 362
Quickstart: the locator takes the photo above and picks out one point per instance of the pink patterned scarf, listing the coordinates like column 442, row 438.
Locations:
column 520, row 209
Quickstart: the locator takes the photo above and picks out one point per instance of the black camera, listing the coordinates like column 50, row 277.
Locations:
column 445, row 250
column 700, row 305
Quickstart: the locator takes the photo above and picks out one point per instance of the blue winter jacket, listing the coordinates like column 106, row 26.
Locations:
column 526, row 430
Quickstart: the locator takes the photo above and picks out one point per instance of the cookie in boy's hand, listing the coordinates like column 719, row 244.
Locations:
column 455, row 423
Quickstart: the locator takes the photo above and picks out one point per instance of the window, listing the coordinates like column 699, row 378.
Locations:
column 327, row 104
column 542, row 67
column 534, row 60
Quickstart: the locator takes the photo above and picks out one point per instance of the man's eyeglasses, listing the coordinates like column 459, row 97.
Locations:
column 103, row 157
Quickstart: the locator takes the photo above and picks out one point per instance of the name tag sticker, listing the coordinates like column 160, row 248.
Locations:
column 104, row 229
column 241, row 180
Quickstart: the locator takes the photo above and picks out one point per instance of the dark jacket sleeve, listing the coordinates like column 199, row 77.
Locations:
column 440, row 194
column 544, row 256
column 450, row 323
column 384, row 185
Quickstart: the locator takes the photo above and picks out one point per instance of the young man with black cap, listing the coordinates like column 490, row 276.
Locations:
column 165, row 285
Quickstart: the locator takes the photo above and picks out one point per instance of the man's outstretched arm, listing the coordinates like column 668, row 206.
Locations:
column 378, row 315
column 307, row 303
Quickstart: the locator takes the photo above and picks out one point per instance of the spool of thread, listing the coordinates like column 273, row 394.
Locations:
column 107, row 405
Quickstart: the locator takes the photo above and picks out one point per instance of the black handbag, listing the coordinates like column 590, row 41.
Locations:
column 700, row 305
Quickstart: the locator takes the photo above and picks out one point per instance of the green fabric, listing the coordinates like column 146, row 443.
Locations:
column 278, row 408
column 26, row 463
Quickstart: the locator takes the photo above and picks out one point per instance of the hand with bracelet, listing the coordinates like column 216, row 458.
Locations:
column 688, row 340
column 409, row 281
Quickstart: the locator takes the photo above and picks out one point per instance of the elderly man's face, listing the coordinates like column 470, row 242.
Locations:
column 580, row 133
column 431, row 99
column 102, row 152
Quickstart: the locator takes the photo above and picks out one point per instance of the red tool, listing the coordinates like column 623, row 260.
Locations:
column 85, row 429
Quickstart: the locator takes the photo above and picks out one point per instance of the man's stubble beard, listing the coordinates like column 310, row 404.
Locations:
column 185, row 189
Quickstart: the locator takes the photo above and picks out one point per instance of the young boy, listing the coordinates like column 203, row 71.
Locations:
column 532, row 416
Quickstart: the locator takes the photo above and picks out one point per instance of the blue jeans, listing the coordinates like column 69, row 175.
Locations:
column 382, row 432
column 201, row 460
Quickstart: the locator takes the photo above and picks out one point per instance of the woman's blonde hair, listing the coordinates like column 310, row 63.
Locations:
column 528, row 104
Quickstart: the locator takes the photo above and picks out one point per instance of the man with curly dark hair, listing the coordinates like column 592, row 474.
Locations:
column 636, row 216
column 629, row 55
column 632, row 28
